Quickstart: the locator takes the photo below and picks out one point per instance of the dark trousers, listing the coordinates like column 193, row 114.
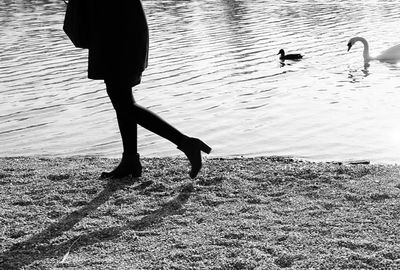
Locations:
column 130, row 114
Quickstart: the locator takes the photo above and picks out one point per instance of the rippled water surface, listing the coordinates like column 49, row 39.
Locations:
column 214, row 74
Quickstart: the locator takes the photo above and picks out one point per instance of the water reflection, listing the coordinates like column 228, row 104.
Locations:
column 287, row 62
column 355, row 76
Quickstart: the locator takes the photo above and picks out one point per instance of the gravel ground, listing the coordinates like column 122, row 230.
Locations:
column 244, row 213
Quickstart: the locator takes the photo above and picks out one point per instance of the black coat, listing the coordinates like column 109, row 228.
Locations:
column 119, row 40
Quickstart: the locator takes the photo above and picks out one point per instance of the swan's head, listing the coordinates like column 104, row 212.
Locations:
column 281, row 52
column 350, row 44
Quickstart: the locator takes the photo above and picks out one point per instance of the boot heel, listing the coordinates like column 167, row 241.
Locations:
column 204, row 147
column 192, row 147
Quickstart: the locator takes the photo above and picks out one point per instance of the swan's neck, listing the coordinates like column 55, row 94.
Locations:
column 366, row 55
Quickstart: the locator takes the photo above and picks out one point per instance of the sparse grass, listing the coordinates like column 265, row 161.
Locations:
column 246, row 213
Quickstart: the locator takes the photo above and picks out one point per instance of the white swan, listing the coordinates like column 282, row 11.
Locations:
column 391, row 55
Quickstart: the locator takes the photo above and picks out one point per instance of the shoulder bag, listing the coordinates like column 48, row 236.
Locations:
column 76, row 22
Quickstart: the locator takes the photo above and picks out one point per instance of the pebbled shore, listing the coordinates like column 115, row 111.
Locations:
column 244, row 213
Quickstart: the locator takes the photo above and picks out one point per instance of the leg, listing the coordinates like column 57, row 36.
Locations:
column 122, row 101
column 190, row 146
column 157, row 125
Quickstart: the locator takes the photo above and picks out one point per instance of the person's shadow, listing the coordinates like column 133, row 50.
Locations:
column 40, row 246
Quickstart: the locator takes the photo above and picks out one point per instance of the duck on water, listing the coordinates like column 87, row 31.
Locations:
column 294, row 56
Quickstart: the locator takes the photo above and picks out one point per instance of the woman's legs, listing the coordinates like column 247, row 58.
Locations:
column 129, row 114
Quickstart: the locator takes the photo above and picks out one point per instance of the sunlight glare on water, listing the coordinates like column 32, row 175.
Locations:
column 214, row 73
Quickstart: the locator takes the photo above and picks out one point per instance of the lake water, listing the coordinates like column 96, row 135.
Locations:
column 214, row 74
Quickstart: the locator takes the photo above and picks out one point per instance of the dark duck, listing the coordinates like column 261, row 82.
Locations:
column 294, row 56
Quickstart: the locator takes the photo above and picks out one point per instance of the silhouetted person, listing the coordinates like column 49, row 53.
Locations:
column 118, row 53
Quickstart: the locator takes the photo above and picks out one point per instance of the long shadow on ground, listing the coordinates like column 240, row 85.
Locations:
column 39, row 247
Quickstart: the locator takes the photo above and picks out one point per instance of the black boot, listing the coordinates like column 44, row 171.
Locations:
column 129, row 165
column 192, row 147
